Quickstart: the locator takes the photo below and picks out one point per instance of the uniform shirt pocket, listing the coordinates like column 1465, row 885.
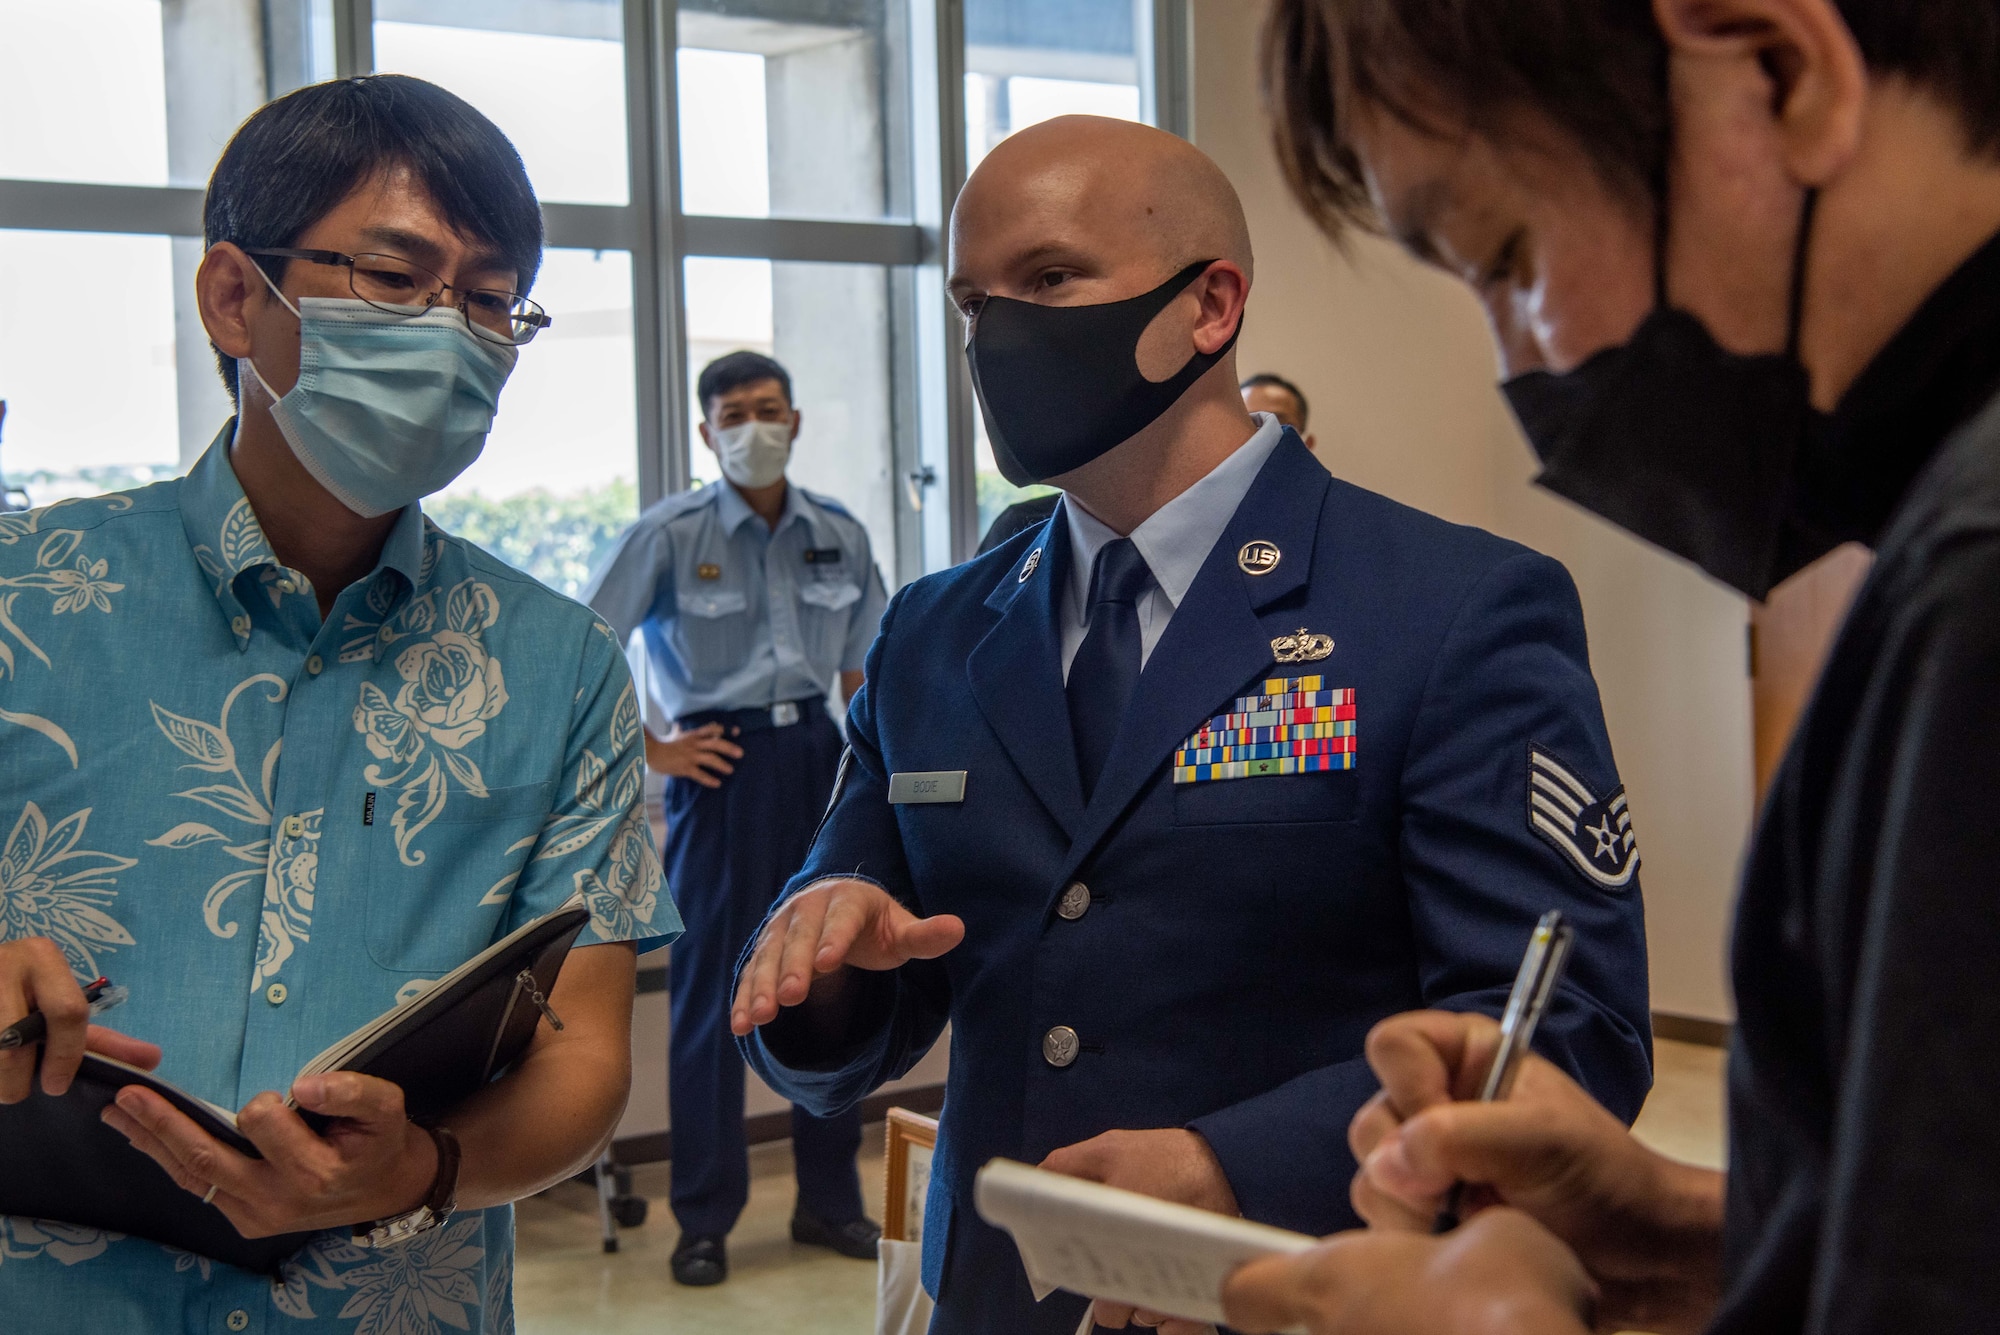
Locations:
column 412, row 926
column 712, row 632
column 1276, row 799
column 823, row 620
column 829, row 594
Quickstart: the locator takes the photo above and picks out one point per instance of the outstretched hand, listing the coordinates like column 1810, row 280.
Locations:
column 824, row 928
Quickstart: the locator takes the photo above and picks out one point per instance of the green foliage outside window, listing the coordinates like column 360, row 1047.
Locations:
column 996, row 493
column 557, row 539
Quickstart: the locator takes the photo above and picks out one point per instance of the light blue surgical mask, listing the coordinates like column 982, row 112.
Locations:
column 388, row 408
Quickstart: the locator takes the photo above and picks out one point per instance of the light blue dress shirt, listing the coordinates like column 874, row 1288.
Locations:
column 271, row 828
column 736, row 615
column 1175, row 540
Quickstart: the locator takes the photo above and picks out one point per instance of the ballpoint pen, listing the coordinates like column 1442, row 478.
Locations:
column 34, row 1026
column 1534, row 986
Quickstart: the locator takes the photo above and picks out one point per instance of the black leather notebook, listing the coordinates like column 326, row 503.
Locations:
column 59, row 1161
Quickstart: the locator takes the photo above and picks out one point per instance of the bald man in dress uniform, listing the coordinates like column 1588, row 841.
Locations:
column 1165, row 802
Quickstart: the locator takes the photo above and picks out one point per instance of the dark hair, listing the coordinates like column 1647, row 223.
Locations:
column 733, row 370
column 1596, row 69
column 297, row 158
column 1279, row 382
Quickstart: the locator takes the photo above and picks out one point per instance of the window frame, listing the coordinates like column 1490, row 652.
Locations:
column 937, row 504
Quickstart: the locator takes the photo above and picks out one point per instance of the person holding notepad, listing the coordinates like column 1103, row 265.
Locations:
column 1742, row 259
column 1163, row 803
column 280, row 752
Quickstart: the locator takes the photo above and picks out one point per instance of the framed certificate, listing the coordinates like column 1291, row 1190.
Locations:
column 909, row 1141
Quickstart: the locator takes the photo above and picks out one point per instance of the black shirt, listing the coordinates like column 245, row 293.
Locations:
column 1864, row 1186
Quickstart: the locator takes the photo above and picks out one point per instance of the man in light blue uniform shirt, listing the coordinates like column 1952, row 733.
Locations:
column 278, row 751
column 752, row 596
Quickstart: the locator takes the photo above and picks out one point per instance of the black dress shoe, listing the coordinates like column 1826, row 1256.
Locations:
column 856, row 1238
column 699, row 1261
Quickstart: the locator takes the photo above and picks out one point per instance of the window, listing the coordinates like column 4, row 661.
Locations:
column 81, row 424
column 779, row 182
column 792, row 108
column 1028, row 61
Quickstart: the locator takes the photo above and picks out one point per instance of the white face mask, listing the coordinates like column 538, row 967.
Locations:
column 753, row 454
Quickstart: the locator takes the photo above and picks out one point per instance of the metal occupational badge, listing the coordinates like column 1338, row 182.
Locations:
column 1296, row 726
column 707, row 571
column 1596, row 836
column 1258, row 558
column 1301, row 646
column 1028, row 566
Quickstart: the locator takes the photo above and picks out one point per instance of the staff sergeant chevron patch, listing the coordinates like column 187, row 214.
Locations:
column 1596, row 836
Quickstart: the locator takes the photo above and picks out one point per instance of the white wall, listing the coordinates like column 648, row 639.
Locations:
column 1400, row 372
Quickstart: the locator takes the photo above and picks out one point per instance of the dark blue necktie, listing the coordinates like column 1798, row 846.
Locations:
column 1106, row 666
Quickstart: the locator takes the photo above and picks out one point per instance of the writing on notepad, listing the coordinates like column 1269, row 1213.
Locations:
column 1103, row 1242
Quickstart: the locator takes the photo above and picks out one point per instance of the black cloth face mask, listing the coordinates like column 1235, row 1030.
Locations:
column 1681, row 442
column 1060, row 385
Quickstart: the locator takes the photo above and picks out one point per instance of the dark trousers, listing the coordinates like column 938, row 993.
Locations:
column 728, row 853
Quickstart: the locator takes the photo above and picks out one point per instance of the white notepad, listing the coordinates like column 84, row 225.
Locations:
column 1103, row 1242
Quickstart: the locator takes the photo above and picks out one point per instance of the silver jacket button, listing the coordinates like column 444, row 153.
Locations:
column 1059, row 1046
column 1075, row 901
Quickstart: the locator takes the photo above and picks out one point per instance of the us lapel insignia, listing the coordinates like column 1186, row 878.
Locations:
column 1596, row 836
column 1301, row 646
column 1028, row 566
column 1258, row 558
column 708, row 571
column 1294, row 726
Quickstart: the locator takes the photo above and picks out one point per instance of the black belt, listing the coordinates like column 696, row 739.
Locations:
column 781, row 715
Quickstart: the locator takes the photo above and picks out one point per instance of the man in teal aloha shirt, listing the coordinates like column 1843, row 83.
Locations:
column 278, row 751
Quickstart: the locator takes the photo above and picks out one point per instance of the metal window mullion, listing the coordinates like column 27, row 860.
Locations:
column 1163, row 33
column 659, row 312
column 665, row 238
column 937, row 124
column 353, row 38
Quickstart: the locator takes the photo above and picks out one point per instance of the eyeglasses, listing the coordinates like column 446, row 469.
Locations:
column 393, row 284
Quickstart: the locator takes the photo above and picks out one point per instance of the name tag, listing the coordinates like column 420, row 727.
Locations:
column 938, row 785
column 819, row 556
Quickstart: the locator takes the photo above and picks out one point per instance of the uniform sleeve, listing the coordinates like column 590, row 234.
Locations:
column 596, row 841
column 867, row 614
column 1513, row 675
column 1909, row 1233
column 628, row 582
column 827, row 1059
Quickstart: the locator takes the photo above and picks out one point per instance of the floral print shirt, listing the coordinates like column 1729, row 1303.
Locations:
column 271, row 827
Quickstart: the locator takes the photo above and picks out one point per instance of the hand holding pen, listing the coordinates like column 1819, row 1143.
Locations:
column 39, row 994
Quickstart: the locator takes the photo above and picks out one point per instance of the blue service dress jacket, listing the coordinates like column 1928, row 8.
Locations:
column 1237, row 936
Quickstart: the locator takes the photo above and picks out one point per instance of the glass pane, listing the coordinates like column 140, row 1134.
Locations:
column 549, row 73
column 828, row 324
column 1031, row 60
column 133, row 92
column 790, row 107
column 558, row 480
column 78, row 425
column 1028, row 61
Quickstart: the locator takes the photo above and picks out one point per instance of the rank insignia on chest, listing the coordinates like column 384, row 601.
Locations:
column 1596, row 836
column 707, row 570
column 1297, row 725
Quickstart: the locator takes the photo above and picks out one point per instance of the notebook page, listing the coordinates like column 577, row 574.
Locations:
column 1102, row 1242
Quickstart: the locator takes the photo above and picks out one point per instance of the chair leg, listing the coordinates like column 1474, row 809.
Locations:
column 606, row 1191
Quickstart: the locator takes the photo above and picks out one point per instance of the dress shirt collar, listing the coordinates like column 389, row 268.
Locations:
column 734, row 511
column 1175, row 539
column 228, row 542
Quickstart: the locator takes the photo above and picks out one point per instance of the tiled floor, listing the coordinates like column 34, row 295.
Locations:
column 565, row 1284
